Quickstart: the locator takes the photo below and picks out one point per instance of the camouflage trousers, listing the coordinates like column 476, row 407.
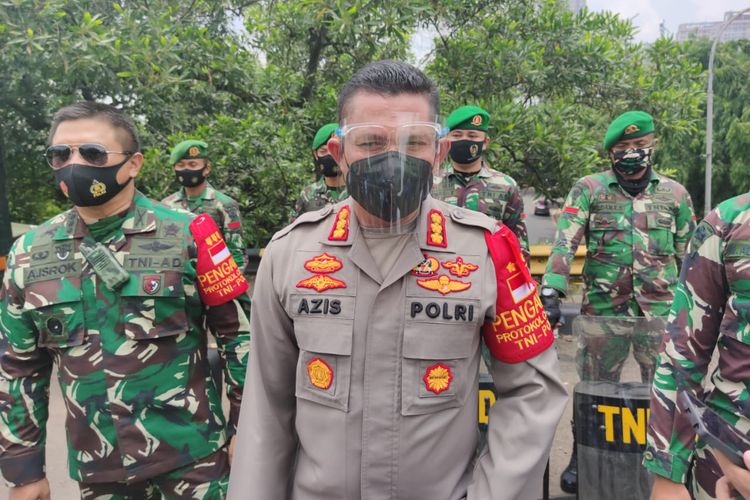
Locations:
column 205, row 479
column 602, row 357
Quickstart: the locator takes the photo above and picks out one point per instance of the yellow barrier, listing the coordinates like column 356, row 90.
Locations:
column 540, row 254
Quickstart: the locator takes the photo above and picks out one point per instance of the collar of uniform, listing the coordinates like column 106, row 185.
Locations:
column 331, row 221
column 320, row 186
column 208, row 194
column 72, row 226
column 612, row 181
column 140, row 218
column 484, row 171
column 424, row 223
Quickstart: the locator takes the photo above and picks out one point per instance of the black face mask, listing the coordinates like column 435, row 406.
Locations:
column 634, row 186
column 90, row 186
column 632, row 161
column 390, row 185
column 328, row 165
column 464, row 152
column 190, row 178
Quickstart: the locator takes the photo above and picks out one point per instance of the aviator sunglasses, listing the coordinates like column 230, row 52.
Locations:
column 95, row 154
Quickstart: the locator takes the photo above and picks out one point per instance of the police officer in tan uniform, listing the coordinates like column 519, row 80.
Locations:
column 370, row 313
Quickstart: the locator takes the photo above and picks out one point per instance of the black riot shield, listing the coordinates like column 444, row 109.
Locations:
column 611, row 404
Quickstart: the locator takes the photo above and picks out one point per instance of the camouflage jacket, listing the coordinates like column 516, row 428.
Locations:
column 634, row 245
column 223, row 210
column 131, row 363
column 711, row 307
column 490, row 192
column 317, row 195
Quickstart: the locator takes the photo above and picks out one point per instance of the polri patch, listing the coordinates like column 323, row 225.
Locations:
column 319, row 373
column 444, row 284
column 340, row 229
column 438, row 378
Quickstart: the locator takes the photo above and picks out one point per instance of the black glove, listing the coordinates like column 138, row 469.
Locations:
column 551, row 302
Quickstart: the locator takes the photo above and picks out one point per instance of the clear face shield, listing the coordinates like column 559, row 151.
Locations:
column 388, row 167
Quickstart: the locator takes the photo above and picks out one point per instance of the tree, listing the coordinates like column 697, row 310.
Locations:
column 552, row 81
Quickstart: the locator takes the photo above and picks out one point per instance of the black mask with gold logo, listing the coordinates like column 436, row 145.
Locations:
column 190, row 178
column 90, row 186
column 465, row 152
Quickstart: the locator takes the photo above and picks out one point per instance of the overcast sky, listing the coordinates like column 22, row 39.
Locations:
column 648, row 14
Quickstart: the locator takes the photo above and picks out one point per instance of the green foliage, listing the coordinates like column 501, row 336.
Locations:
column 552, row 81
column 256, row 78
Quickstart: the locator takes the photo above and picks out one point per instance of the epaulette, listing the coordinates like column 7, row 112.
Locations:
column 305, row 218
column 468, row 217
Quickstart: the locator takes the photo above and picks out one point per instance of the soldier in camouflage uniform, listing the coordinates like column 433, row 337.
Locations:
column 471, row 183
column 637, row 224
column 114, row 291
column 331, row 187
column 191, row 166
column 710, row 310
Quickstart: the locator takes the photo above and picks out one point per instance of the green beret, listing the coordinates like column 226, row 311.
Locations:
column 468, row 117
column 323, row 134
column 628, row 125
column 188, row 149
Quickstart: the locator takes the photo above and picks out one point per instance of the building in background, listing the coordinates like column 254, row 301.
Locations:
column 738, row 30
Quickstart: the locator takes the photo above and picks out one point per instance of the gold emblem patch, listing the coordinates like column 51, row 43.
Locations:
column 477, row 120
column 97, row 189
column 323, row 263
column 321, row 283
column 631, row 129
column 473, row 149
column 436, row 231
column 340, row 229
column 320, row 374
column 428, row 267
column 193, row 151
column 438, row 378
column 459, row 267
column 444, row 284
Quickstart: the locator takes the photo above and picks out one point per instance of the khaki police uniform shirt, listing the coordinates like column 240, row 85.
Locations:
column 364, row 386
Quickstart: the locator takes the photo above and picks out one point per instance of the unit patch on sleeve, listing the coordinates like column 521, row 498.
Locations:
column 444, row 284
column 438, row 378
column 436, row 229
column 340, row 229
column 320, row 374
column 459, row 267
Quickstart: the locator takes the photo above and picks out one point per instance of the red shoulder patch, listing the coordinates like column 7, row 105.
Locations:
column 219, row 278
column 436, row 229
column 340, row 229
column 571, row 210
column 234, row 225
column 520, row 330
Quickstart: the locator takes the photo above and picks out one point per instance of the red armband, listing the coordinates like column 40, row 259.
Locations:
column 219, row 278
column 521, row 329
